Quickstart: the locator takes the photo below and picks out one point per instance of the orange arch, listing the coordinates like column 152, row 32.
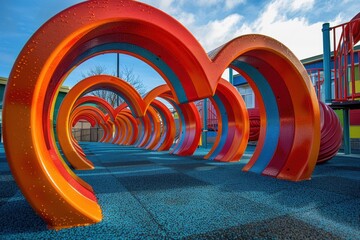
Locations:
column 277, row 76
column 231, row 142
column 87, row 85
column 169, row 128
column 125, row 26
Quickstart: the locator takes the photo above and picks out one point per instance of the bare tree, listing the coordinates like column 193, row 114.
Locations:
column 126, row 74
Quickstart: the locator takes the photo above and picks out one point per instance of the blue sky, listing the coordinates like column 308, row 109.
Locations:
column 296, row 23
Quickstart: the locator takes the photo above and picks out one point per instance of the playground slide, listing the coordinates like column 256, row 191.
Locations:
column 254, row 117
column 355, row 28
column 331, row 131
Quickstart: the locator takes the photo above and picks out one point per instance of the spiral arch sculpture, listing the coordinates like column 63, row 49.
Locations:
column 129, row 94
column 285, row 91
column 288, row 106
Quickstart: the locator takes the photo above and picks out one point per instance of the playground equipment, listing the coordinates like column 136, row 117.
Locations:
column 127, row 128
column 331, row 131
column 254, row 118
column 152, row 131
column 190, row 126
column 289, row 138
column 337, row 81
column 105, row 106
column 129, row 94
column 98, row 116
column 233, row 124
column 169, row 128
column 346, row 83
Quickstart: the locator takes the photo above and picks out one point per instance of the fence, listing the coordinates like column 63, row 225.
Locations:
column 87, row 134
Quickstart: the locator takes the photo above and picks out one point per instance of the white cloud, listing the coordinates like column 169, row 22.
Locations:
column 301, row 37
column 218, row 32
column 164, row 4
column 283, row 20
column 229, row 4
column 170, row 7
column 187, row 19
column 207, row 3
column 302, row 5
column 175, row 9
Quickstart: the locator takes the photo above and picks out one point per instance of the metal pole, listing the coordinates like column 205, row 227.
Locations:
column 231, row 76
column 117, row 75
column 346, row 131
column 205, row 120
column 326, row 61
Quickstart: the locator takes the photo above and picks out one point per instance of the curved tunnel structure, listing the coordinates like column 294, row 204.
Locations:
column 331, row 131
column 87, row 85
column 284, row 91
column 233, row 126
column 289, row 138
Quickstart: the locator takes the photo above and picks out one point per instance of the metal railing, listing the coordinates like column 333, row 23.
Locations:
column 212, row 119
column 346, row 61
column 317, row 78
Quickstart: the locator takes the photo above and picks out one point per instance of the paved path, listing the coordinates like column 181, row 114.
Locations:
column 154, row 195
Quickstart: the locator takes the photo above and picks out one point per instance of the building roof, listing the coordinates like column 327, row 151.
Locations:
column 320, row 56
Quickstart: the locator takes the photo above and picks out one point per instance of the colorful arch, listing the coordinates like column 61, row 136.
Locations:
column 98, row 101
column 254, row 118
column 130, row 129
column 127, row 128
column 233, row 125
column 153, row 132
column 85, row 118
column 167, row 138
column 169, row 128
column 290, row 124
column 103, row 104
column 289, row 140
column 91, row 112
column 331, row 133
column 190, row 124
column 128, row 93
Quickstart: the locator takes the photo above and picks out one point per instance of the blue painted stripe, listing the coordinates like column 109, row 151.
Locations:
column 272, row 116
column 225, row 126
column 165, row 125
column 141, row 133
column 152, row 123
column 182, row 133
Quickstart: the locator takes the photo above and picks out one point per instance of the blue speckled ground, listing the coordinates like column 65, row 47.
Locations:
column 153, row 195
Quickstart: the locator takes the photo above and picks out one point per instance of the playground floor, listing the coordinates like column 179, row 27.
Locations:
column 152, row 195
